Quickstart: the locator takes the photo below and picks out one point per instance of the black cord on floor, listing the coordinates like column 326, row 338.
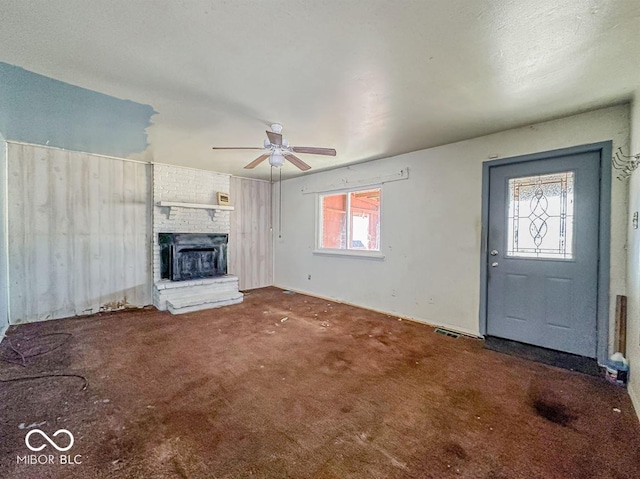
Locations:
column 24, row 361
column 27, row 378
column 24, row 357
column 68, row 336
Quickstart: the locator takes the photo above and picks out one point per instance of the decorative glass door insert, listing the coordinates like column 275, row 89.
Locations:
column 541, row 214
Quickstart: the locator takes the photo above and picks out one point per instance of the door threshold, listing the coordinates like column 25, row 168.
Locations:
column 560, row 359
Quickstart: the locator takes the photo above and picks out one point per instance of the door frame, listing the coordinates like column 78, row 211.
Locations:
column 604, row 149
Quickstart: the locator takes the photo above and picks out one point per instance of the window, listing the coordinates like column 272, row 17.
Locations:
column 350, row 220
column 540, row 221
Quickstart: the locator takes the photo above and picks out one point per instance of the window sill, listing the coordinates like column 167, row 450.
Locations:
column 350, row 253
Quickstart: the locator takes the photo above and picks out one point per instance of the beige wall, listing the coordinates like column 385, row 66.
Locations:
column 431, row 224
column 633, row 267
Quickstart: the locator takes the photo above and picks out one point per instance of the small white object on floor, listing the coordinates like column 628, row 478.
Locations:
column 34, row 424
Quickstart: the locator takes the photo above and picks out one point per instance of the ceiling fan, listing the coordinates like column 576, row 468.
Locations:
column 279, row 150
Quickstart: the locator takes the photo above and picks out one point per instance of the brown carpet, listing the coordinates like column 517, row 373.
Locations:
column 289, row 386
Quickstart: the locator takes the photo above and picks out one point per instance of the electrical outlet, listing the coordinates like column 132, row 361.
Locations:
column 309, row 277
column 635, row 220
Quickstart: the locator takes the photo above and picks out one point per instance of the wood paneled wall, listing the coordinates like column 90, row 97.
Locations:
column 250, row 239
column 79, row 229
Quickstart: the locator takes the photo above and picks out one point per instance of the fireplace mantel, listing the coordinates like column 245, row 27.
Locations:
column 200, row 206
column 170, row 205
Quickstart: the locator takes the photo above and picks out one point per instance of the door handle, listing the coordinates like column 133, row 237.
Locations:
column 494, row 264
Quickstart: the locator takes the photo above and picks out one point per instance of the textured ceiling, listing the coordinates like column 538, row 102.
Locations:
column 371, row 78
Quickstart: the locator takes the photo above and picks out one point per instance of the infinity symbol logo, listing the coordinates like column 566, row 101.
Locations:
column 40, row 448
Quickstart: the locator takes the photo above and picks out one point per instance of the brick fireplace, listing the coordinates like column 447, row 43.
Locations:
column 191, row 233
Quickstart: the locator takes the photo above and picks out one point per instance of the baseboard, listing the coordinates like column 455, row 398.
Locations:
column 457, row 329
column 634, row 400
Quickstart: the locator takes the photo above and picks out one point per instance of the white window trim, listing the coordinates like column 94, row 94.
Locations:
column 356, row 253
column 373, row 254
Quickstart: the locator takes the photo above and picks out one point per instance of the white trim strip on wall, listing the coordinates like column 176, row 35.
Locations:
column 346, row 183
column 76, row 151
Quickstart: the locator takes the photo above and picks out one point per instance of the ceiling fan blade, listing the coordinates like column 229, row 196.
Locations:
column 257, row 161
column 314, row 151
column 297, row 162
column 236, row 148
column 275, row 138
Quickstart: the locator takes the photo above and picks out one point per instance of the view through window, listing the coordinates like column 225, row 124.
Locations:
column 350, row 220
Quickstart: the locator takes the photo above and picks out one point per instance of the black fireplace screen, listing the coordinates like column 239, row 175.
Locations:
column 192, row 255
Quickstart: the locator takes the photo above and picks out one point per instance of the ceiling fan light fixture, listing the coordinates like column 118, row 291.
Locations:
column 276, row 159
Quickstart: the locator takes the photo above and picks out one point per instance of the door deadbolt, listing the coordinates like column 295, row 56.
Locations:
column 494, row 252
column 493, row 265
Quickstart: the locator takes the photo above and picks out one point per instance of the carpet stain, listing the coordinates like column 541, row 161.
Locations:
column 337, row 361
column 553, row 411
column 179, row 469
column 496, row 475
column 456, row 450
